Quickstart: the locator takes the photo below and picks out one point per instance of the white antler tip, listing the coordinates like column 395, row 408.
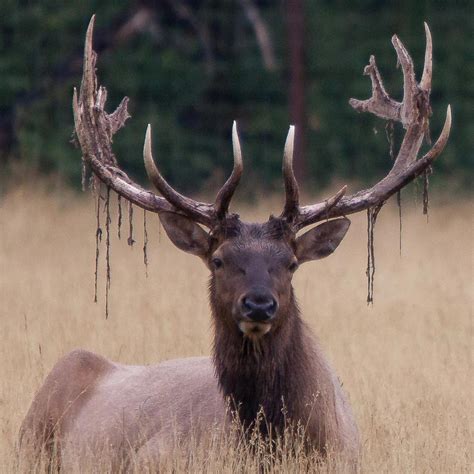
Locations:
column 289, row 145
column 290, row 137
column 90, row 27
column 447, row 125
column 236, row 146
column 448, row 115
column 147, row 145
column 425, row 82
column 291, row 131
column 148, row 133
column 235, row 135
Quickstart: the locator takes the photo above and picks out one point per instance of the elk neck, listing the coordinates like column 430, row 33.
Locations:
column 274, row 374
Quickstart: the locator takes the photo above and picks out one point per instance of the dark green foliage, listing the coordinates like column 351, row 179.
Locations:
column 191, row 90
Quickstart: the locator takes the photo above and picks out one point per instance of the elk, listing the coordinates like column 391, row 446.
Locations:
column 264, row 356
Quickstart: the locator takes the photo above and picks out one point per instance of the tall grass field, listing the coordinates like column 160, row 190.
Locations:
column 405, row 361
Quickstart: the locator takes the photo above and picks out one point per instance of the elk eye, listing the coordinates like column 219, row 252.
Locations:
column 217, row 262
column 293, row 266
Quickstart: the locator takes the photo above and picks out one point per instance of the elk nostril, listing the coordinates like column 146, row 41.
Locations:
column 272, row 306
column 247, row 304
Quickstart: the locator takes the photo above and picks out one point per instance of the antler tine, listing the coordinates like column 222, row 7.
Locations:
column 225, row 194
column 292, row 199
column 425, row 82
column 88, row 85
column 299, row 217
column 380, row 104
column 192, row 208
column 410, row 86
column 312, row 213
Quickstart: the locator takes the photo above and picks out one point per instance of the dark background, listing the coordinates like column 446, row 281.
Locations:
column 191, row 67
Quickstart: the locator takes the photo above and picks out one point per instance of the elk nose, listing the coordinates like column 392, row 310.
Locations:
column 259, row 307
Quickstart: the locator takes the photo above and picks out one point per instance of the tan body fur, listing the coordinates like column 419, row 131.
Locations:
column 122, row 414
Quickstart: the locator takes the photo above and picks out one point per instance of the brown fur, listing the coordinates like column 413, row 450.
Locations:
column 284, row 373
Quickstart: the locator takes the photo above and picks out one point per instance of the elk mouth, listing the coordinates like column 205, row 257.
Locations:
column 254, row 330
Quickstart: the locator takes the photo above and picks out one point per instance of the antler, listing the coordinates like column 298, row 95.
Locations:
column 413, row 113
column 95, row 129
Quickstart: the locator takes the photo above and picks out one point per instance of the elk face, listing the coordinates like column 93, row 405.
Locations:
column 252, row 265
column 251, row 278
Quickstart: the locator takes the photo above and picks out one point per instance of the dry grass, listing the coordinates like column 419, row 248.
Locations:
column 406, row 362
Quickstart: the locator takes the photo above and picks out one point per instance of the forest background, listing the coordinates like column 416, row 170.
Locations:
column 191, row 67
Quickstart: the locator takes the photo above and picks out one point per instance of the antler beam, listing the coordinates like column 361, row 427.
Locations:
column 95, row 130
column 413, row 113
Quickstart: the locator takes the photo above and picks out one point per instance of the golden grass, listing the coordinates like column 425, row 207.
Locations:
column 406, row 362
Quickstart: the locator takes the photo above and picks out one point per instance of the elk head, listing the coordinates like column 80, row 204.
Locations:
column 252, row 264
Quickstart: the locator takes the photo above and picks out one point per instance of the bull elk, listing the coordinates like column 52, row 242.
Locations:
column 264, row 357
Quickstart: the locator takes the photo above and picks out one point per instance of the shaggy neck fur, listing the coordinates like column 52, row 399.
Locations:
column 280, row 374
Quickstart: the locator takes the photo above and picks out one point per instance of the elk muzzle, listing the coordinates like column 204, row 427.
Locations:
column 257, row 310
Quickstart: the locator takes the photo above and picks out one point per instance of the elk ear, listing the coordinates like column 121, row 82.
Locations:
column 185, row 233
column 322, row 240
